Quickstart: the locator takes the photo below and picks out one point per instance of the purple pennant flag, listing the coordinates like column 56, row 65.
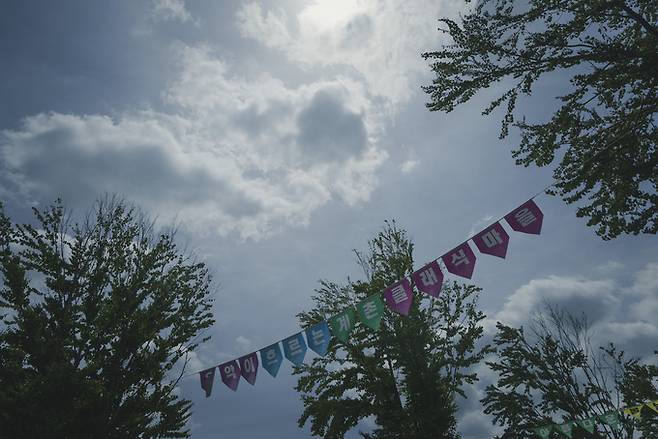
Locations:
column 460, row 261
column 207, row 378
column 526, row 218
column 230, row 373
column 429, row 279
column 249, row 367
column 399, row 296
column 492, row 241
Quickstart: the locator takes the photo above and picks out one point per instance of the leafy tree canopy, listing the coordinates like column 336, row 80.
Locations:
column 405, row 375
column 550, row 373
column 93, row 320
column 604, row 132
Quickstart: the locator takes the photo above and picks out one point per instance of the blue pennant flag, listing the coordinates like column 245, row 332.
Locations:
column 318, row 337
column 271, row 358
column 294, row 348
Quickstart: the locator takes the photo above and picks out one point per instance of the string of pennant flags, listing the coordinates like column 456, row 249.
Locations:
column 611, row 418
column 398, row 297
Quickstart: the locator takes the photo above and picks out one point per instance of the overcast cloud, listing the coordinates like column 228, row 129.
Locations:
column 280, row 136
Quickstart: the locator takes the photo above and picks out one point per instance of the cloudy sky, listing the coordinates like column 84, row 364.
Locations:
column 280, row 138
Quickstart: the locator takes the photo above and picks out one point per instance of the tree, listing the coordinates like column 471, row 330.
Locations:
column 552, row 374
column 405, row 375
column 604, row 130
column 93, row 320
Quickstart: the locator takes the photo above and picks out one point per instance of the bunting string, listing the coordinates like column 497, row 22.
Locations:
column 459, row 261
column 611, row 418
column 398, row 297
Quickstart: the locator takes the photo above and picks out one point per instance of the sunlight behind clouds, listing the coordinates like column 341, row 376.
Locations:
column 380, row 42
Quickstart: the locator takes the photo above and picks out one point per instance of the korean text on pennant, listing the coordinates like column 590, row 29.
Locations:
column 230, row 373
column 429, row 279
column 342, row 324
column 370, row 311
column 527, row 218
column 492, row 241
column 399, row 296
column 271, row 358
column 460, row 261
column 207, row 378
column 294, row 348
column 318, row 337
column 249, row 367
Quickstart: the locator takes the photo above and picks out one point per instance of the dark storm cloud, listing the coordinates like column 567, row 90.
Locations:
column 328, row 131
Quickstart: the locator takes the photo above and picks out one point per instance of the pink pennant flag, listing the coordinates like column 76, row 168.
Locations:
column 249, row 367
column 429, row 279
column 399, row 296
column 526, row 218
column 207, row 378
column 460, row 261
column 230, row 373
column 492, row 241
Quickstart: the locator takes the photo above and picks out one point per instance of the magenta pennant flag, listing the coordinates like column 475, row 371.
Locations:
column 492, row 241
column 207, row 378
column 526, row 218
column 429, row 279
column 249, row 367
column 399, row 296
column 230, row 373
column 460, row 261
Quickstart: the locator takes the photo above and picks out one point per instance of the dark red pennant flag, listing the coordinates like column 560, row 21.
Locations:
column 460, row 261
column 230, row 373
column 429, row 279
column 492, row 241
column 249, row 367
column 207, row 378
column 526, row 218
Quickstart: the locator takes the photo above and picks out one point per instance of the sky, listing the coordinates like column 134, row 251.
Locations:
column 280, row 137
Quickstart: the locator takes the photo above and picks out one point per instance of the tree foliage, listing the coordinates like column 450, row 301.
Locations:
column 604, row 131
column 94, row 319
column 405, row 375
column 551, row 374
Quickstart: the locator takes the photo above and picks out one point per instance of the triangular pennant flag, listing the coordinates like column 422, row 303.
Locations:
column 565, row 428
column 207, row 378
column 653, row 405
column 429, row 279
column 588, row 424
column 294, row 348
column 370, row 311
column 612, row 419
column 527, row 218
column 342, row 324
column 543, row 432
column 399, row 296
column 271, row 358
column 460, row 261
column 635, row 412
column 318, row 337
column 230, row 372
column 249, row 367
column 492, row 241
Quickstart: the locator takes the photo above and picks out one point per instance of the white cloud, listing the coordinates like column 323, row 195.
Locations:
column 381, row 41
column 596, row 298
column 166, row 10
column 232, row 157
column 409, row 165
column 244, row 344
column 645, row 287
column 480, row 224
column 624, row 315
